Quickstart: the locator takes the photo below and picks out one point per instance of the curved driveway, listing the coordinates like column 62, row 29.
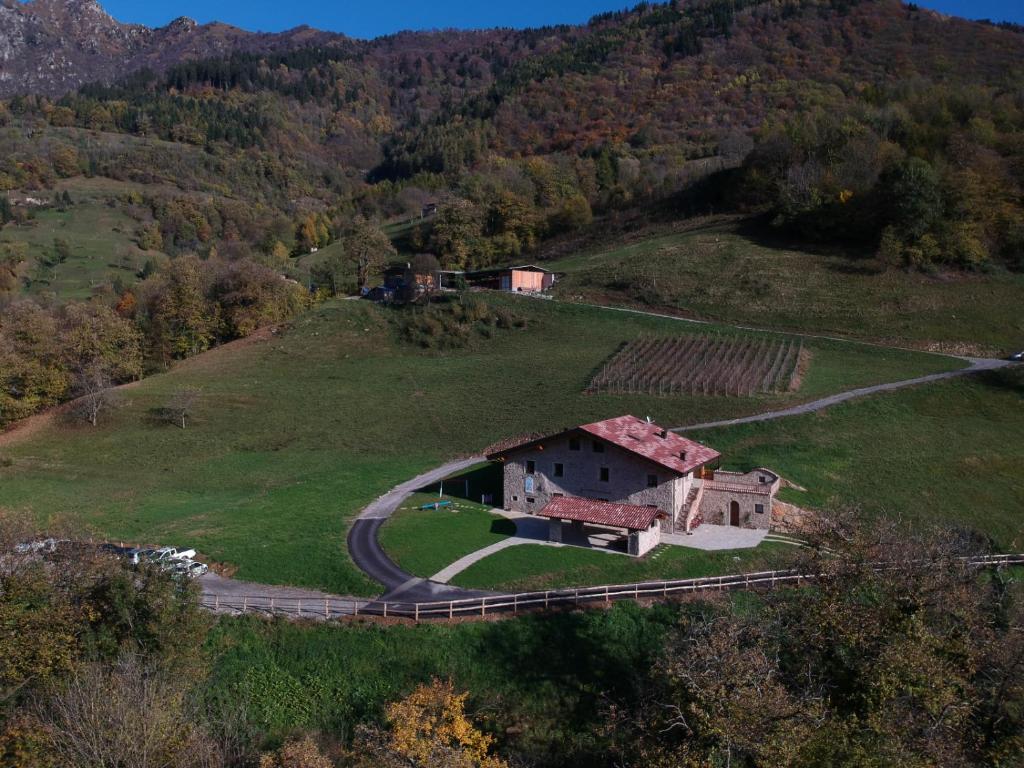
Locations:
column 366, row 552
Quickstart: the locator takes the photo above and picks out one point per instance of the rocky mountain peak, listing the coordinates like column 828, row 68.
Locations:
column 50, row 47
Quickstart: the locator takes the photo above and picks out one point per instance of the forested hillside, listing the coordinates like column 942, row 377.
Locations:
column 887, row 130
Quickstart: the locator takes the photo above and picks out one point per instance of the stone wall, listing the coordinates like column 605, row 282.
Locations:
column 789, row 518
column 581, row 476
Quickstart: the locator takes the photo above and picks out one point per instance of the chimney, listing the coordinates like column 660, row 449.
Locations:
column 682, row 455
column 663, row 434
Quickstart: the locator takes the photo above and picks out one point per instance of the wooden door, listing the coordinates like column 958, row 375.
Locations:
column 734, row 513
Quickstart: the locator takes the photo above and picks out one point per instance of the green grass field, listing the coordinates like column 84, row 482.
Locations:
column 101, row 240
column 425, row 541
column 296, row 433
column 527, row 567
column 723, row 274
column 950, row 453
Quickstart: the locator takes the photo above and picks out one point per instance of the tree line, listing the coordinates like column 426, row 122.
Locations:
column 50, row 354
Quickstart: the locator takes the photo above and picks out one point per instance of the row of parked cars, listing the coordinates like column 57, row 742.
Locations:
column 179, row 562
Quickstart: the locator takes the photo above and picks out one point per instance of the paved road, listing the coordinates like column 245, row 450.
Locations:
column 366, row 552
column 977, row 365
column 232, row 596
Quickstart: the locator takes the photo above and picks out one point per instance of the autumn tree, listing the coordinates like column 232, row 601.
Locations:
column 313, row 231
column 427, row 729
column 33, row 373
column 12, row 256
column 95, row 337
column 457, row 231
column 367, row 248
column 183, row 321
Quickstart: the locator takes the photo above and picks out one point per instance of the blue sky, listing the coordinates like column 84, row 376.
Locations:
column 360, row 18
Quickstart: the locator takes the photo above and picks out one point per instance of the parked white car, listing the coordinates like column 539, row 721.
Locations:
column 172, row 553
column 190, row 568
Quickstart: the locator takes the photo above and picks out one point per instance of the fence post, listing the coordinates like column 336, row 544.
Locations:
column 451, row 610
column 515, row 603
column 607, row 599
column 216, row 602
column 576, row 596
column 271, row 606
column 299, row 611
column 327, row 609
column 355, row 608
column 636, row 591
column 546, row 598
column 416, row 611
column 245, row 603
column 385, row 609
column 483, row 606
column 664, row 589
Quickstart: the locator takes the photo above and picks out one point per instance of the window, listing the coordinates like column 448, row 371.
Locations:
column 762, row 479
column 574, row 443
column 652, row 481
column 759, row 508
column 604, row 474
column 559, row 470
column 530, row 500
column 531, row 467
column 558, row 495
column 529, row 486
column 515, row 498
column 598, row 447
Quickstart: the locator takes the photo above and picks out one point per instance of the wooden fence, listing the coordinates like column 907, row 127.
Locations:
column 480, row 607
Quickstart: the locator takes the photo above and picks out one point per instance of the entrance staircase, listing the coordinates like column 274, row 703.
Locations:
column 689, row 516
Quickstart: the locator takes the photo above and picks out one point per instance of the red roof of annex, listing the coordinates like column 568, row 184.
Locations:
column 644, row 439
column 631, row 516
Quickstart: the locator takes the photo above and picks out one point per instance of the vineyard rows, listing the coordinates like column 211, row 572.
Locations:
column 702, row 365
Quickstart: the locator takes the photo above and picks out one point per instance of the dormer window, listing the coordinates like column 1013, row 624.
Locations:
column 682, row 455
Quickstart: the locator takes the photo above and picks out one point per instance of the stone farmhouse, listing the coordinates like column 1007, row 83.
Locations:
column 633, row 477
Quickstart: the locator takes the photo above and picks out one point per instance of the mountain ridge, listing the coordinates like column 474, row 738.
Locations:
column 52, row 47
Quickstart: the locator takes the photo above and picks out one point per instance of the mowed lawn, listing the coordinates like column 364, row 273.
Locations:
column 425, row 541
column 726, row 274
column 530, row 567
column 297, row 432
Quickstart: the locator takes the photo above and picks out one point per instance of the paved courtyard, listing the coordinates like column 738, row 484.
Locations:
column 715, row 537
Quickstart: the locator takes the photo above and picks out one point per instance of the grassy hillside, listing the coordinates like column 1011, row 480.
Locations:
column 725, row 273
column 295, row 433
column 948, row 454
column 100, row 237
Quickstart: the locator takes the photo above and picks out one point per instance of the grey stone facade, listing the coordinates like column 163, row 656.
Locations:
column 569, row 466
column 743, row 499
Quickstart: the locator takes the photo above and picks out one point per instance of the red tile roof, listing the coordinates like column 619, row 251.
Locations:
column 629, row 516
column 653, row 442
column 639, row 437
